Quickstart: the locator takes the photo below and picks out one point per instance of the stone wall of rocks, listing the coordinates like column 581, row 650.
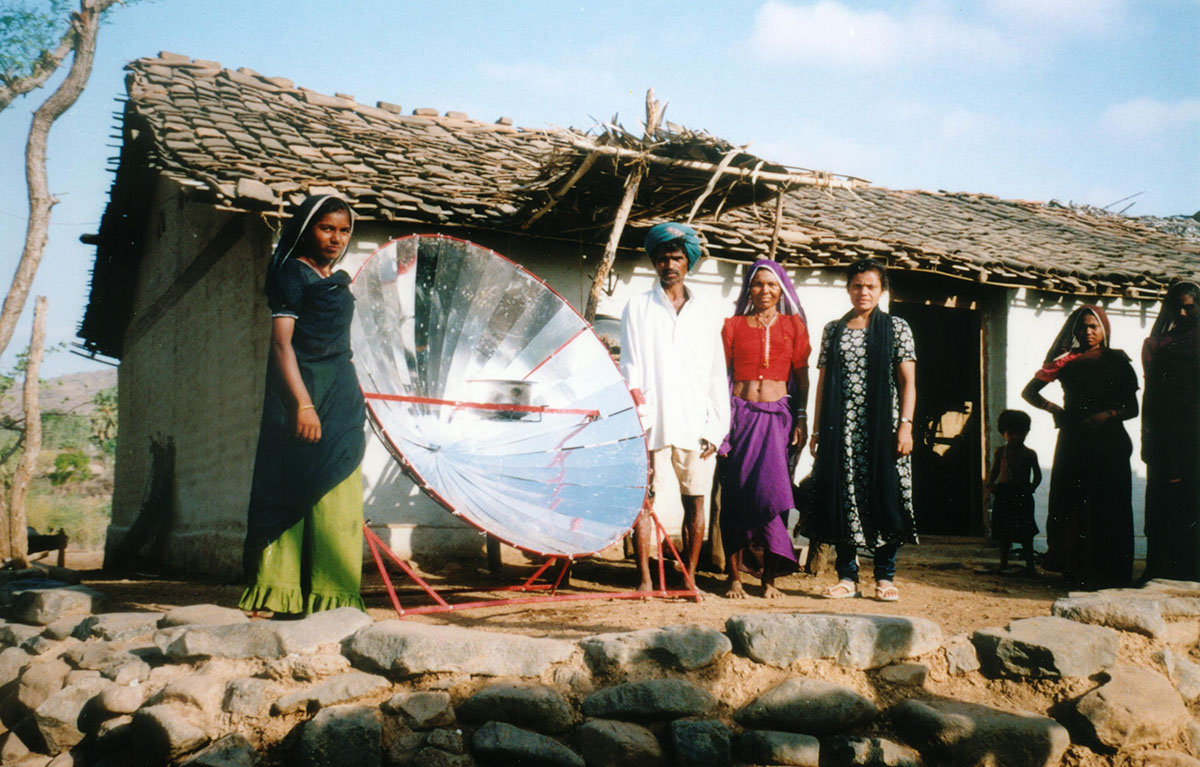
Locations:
column 1107, row 679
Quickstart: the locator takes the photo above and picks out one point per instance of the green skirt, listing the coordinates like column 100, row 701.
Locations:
column 316, row 564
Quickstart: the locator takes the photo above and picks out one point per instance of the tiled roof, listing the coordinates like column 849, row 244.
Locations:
column 245, row 141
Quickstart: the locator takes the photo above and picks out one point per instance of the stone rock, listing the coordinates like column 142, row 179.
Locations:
column 844, row 751
column 119, row 665
column 961, row 657
column 12, row 660
column 342, row 736
column 202, row 615
column 40, row 681
column 78, row 675
column 1182, row 633
column 1045, row 647
column 66, row 759
column 503, row 743
column 114, row 734
column 325, row 627
column 58, row 719
column 12, row 748
column 40, row 645
column 605, row 742
column 649, row 700
column 905, row 674
column 949, row 732
column 683, row 648
column 163, row 733
column 44, row 606
column 435, row 757
column 117, row 627
column 120, row 699
column 1191, row 735
column 701, row 743
column 401, row 649
column 858, row 641
column 774, row 747
column 249, row 696
column 422, row 710
column 197, row 689
column 233, row 750
column 255, row 639
column 450, row 741
column 336, row 689
column 307, row 668
column 809, row 706
column 16, row 634
column 1135, row 707
column 1183, row 672
column 61, row 629
column 530, row 707
column 1140, row 615
column 400, row 744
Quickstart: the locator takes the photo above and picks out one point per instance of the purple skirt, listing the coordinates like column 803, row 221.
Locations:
column 756, row 486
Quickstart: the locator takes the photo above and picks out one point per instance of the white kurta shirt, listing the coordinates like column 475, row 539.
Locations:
column 678, row 363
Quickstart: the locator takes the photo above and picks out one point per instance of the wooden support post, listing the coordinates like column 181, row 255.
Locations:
column 778, row 225
column 654, row 112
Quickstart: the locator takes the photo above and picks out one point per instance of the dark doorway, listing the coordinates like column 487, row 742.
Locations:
column 947, row 456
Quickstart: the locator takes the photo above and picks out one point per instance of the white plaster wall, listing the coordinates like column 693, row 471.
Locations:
column 1034, row 319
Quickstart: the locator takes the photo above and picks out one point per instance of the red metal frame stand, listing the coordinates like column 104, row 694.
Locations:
column 379, row 549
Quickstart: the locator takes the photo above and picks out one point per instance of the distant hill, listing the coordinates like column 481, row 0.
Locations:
column 71, row 393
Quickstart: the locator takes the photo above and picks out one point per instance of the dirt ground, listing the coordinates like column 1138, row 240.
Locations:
column 939, row 579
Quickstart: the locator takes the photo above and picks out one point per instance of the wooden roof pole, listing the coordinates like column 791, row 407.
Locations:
column 654, row 112
column 778, row 224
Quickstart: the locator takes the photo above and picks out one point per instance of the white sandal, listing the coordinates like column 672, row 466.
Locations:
column 842, row 590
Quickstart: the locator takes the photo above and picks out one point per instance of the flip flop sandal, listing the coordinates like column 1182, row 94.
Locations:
column 842, row 590
column 888, row 593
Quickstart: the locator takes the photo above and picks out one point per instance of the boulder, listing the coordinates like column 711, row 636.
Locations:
column 858, row 641
column 117, row 699
column 44, row 606
column 450, row 741
column 117, row 627
column 1182, row 671
column 255, row 639
column 1045, row 647
column 775, row 747
column 40, row 681
column 701, row 743
column 233, row 750
column 59, row 717
column 41, row 645
column 949, row 732
column 249, row 696
column 342, row 736
column 197, row 689
column 650, row 700
column 325, row 627
column 61, row 629
column 605, row 742
column 809, row 706
column 422, row 710
column 905, row 674
column 342, row 688
column 848, row 751
column 1135, row 707
column 112, row 662
column 202, row 615
column 682, row 648
column 113, row 735
column 531, row 707
column 12, row 661
column 307, row 668
column 1125, row 613
column 401, row 649
column 16, row 634
column 501, row 743
column 961, row 657
column 164, row 733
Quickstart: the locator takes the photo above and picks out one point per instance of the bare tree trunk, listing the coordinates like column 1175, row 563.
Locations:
column 85, row 25
column 18, row 538
column 654, row 112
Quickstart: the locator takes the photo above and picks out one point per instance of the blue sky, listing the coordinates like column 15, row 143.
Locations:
column 1082, row 100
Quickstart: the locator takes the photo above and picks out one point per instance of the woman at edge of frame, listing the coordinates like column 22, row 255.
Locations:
column 303, row 550
column 862, row 436
column 766, row 349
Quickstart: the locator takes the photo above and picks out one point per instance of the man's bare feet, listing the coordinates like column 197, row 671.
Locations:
column 646, row 585
column 735, row 591
column 770, row 592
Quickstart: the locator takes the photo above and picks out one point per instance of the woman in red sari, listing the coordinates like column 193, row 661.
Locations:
column 1171, row 437
column 1090, row 525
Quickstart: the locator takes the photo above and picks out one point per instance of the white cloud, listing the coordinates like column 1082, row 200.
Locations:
column 832, row 33
column 1061, row 16
column 1143, row 117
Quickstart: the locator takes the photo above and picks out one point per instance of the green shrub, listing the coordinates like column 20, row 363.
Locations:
column 72, row 466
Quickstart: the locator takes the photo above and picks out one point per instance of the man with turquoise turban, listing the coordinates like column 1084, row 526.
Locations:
column 673, row 361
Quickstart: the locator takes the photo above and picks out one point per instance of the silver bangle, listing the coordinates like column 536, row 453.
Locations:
column 905, row 420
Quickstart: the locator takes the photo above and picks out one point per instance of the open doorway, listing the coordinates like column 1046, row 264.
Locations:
column 948, row 435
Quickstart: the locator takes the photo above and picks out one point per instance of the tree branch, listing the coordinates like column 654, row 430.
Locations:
column 85, row 26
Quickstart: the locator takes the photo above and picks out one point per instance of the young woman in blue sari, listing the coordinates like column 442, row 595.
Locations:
column 303, row 548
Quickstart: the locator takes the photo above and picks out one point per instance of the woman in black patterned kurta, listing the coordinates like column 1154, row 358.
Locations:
column 862, row 436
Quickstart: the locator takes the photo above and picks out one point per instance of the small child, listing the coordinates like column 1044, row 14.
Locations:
column 1013, row 477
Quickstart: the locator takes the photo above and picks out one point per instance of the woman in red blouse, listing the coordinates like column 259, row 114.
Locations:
column 766, row 350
